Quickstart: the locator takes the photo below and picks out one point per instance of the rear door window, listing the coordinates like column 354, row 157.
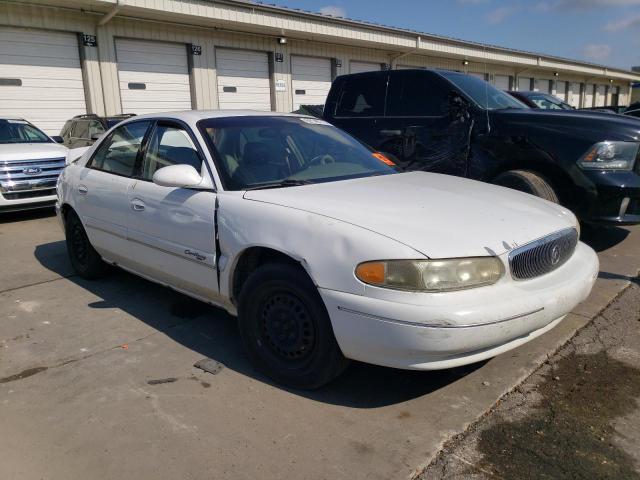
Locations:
column 415, row 94
column 81, row 130
column 362, row 96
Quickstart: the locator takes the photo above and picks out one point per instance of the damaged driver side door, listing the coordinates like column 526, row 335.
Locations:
column 435, row 130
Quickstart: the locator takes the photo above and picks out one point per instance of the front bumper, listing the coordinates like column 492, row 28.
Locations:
column 614, row 198
column 445, row 330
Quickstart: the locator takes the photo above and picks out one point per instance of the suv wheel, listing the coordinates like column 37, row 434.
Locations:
column 286, row 330
column 85, row 260
column 528, row 182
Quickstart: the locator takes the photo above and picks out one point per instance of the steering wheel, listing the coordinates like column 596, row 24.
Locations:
column 323, row 159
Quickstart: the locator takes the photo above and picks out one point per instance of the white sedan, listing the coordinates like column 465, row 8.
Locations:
column 323, row 251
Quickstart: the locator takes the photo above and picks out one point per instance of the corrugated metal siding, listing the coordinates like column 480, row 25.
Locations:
column 101, row 69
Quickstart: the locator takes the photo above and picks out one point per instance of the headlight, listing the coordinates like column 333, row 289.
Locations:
column 610, row 156
column 431, row 275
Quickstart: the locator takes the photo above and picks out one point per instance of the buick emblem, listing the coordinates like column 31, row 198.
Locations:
column 32, row 170
column 555, row 255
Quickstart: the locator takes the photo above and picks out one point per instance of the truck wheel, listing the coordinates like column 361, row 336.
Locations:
column 528, row 182
column 286, row 330
column 85, row 260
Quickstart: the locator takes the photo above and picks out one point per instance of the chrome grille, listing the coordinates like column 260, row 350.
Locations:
column 544, row 255
column 29, row 178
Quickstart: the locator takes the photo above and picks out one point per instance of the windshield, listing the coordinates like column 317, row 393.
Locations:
column 21, row 131
column 261, row 152
column 482, row 93
column 548, row 102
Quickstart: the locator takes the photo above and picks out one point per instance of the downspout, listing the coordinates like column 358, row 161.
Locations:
column 112, row 13
column 393, row 60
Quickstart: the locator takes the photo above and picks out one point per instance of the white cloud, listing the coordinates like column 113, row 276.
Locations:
column 333, row 11
column 500, row 14
column 624, row 24
column 597, row 51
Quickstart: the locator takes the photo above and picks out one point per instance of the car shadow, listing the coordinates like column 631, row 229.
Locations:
column 603, row 238
column 213, row 333
column 23, row 215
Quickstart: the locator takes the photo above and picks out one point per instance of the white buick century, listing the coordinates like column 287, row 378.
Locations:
column 320, row 247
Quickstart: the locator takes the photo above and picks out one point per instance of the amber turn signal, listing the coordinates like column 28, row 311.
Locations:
column 371, row 272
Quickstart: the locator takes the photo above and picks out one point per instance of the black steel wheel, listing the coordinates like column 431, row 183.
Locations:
column 84, row 258
column 286, row 330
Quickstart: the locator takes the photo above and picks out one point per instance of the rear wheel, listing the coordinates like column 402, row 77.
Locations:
column 84, row 258
column 286, row 330
column 528, row 182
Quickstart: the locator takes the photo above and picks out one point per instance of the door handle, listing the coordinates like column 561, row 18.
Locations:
column 82, row 190
column 390, row 133
column 137, row 205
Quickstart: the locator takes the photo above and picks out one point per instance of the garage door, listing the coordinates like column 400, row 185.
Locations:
column 501, row 82
column 524, row 84
column 243, row 80
column 481, row 76
column 359, row 67
column 561, row 90
column 311, row 79
column 544, row 86
column 574, row 94
column 601, row 96
column 154, row 76
column 588, row 95
column 40, row 77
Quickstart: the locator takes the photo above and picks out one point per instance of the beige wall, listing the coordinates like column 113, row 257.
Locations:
column 101, row 72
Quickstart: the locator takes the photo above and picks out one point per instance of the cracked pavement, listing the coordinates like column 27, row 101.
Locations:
column 97, row 380
column 576, row 417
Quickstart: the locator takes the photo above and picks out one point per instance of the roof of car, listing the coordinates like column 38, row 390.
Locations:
column 196, row 115
column 3, row 117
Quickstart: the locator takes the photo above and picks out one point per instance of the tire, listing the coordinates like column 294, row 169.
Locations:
column 528, row 182
column 85, row 260
column 285, row 328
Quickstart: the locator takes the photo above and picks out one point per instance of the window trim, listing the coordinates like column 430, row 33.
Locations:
column 89, row 163
column 172, row 123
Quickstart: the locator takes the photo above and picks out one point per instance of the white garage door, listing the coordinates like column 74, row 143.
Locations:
column 501, row 82
column 574, row 94
column 154, row 76
column 588, row 95
column 311, row 79
column 408, row 67
column 359, row 67
column 561, row 90
column 40, row 77
column 243, row 80
column 544, row 85
column 601, row 96
column 479, row 75
column 524, row 84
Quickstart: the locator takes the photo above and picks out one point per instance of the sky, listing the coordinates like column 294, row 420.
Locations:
column 605, row 32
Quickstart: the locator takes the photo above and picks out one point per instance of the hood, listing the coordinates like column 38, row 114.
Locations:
column 29, row 151
column 597, row 126
column 440, row 216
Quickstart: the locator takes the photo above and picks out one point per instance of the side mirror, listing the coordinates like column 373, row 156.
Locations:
column 57, row 139
column 96, row 136
column 179, row 176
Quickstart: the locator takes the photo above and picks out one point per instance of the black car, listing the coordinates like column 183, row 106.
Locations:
column 452, row 123
column 83, row 130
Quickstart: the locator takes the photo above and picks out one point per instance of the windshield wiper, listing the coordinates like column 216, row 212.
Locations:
column 287, row 182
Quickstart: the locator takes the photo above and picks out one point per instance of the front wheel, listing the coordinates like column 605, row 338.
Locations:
column 84, row 258
column 286, row 330
column 528, row 182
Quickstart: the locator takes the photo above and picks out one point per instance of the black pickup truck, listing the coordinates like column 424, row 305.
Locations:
column 452, row 123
